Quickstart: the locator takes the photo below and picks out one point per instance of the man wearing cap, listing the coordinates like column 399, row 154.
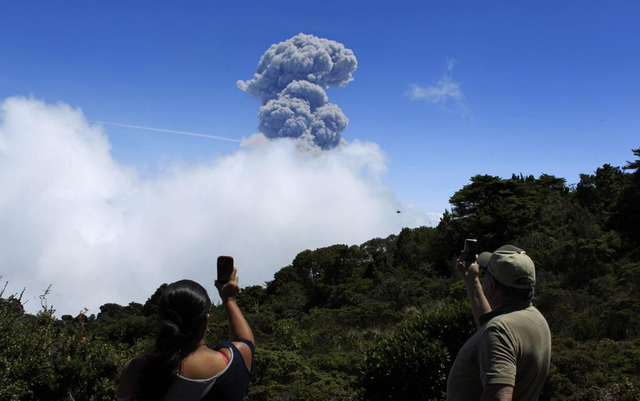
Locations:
column 508, row 357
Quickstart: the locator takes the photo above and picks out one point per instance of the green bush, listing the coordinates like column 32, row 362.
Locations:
column 43, row 360
column 414, row 361
column 285, row 375
column 593, row 370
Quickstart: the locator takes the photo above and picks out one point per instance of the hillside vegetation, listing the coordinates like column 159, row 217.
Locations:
column 384, row 320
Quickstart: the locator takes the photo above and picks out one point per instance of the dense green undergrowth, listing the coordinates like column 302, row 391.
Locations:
column 385, row 319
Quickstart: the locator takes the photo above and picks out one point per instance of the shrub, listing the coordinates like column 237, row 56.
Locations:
column 593, row 370
column 414, row 361
column 43, row 360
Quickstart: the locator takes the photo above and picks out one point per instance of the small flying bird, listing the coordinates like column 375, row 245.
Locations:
column 397, row 211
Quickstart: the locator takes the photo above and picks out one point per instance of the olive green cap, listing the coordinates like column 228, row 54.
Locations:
column 509, row 265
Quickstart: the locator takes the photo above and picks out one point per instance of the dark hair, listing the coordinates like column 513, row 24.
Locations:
column 515, row 294
column 182, row 311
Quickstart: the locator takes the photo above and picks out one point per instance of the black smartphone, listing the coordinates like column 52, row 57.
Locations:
column 225, row 268
column 470, row 250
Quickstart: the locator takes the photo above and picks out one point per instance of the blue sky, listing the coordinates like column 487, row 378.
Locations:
column 547, row 87
column 539, row 87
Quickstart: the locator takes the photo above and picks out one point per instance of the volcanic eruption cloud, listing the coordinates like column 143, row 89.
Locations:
column 291, row 80
column 98, row 231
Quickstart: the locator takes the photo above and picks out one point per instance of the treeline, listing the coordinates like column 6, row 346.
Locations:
column 384, row 320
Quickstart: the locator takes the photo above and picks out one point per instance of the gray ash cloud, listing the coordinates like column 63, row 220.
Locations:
column 291, row 80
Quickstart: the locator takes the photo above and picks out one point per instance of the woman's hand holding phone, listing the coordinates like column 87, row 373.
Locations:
column 227, row 282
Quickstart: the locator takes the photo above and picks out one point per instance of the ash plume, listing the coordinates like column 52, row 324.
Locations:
column 290, row 82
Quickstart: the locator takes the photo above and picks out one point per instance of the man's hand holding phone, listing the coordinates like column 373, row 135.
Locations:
column 468, row 269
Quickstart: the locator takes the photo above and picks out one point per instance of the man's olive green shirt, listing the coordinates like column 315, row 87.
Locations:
column 511, row 347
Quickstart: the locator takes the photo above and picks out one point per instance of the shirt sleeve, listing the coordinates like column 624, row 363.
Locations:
column 497, row 353
column 229, row 344
column 253, row 354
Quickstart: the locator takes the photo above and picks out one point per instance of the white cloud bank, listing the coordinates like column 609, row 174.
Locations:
column 75, row 218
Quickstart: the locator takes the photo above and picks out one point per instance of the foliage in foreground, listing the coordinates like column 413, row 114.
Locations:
column 42, row 360
column 414, row 361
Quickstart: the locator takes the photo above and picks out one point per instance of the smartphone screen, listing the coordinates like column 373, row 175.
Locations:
column 225, row 268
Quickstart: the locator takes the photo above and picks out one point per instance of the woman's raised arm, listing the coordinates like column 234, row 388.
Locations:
column 238, row 326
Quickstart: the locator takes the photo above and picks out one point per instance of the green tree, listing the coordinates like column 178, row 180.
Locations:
column 626, row 217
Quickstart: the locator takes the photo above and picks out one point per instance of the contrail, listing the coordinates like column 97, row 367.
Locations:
column 221, row 138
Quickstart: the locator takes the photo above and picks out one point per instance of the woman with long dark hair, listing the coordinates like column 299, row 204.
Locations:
column 181, row 366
